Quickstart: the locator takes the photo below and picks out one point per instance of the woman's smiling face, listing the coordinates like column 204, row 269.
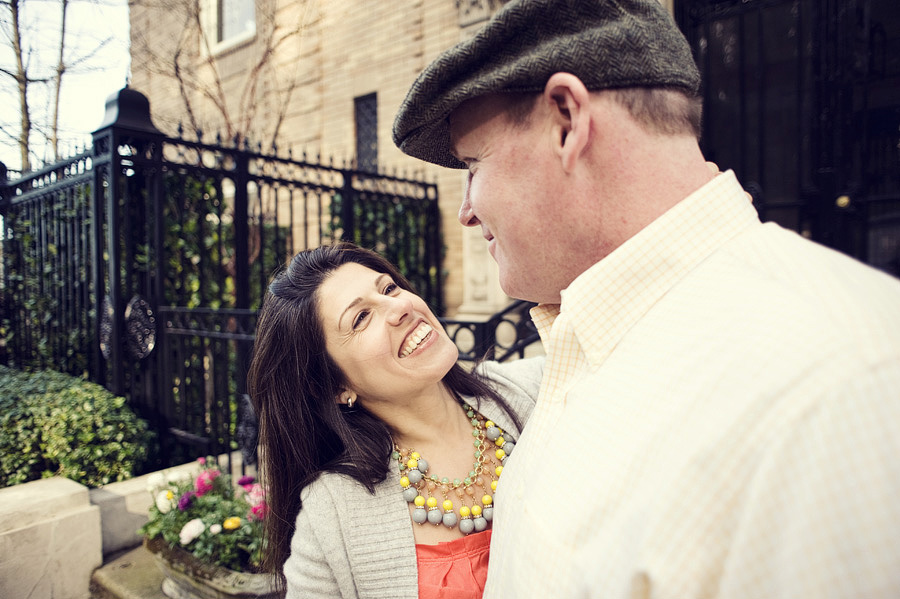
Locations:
column 385, row 340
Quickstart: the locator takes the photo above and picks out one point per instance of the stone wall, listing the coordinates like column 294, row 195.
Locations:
column 50, row 540
column 55, row 532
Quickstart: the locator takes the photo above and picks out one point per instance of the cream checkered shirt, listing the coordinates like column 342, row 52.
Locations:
column 719, row 417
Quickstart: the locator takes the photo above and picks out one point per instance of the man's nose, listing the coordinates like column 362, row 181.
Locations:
column 466, row 214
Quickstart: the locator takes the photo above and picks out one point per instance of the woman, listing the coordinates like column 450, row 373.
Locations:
column 381, row 454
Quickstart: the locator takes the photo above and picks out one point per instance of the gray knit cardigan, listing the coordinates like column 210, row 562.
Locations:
column 353, row 544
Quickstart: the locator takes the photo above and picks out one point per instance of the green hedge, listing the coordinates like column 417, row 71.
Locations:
column 55, row 424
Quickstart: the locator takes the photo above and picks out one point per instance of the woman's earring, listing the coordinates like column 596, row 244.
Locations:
column 349, row 397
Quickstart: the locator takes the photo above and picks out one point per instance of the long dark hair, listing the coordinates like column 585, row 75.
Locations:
column 294, row 384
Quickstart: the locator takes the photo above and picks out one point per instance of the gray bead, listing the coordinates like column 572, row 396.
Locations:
column 508, row 447
column 434, row 516
column 488, row 513
column 423, row 465
column 480, row 523
column 414, row 475
column 466, row 526
column 419, row 516
column 492, row 433
column 410, row 494
column 449, row 519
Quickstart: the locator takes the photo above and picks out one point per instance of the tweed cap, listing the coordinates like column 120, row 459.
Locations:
column 605, row 43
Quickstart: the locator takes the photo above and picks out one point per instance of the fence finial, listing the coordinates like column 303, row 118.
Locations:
column 128, row 109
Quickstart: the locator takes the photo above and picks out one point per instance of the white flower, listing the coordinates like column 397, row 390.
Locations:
column 155, row 481
column 191, row 531
column 177, row 476
column 215, row 529
column 165, row 501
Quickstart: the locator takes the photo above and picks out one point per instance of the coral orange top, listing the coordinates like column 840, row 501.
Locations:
column 455, row 569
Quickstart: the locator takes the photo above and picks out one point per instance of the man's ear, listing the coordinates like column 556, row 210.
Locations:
column 570, row 105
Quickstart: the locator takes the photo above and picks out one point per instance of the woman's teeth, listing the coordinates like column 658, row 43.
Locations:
column 417, row 336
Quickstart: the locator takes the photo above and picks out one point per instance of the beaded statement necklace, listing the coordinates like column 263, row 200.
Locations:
column 473, row 514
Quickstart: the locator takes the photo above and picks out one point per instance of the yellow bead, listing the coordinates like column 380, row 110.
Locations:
column 476, row 510
column 487, row 500
column 499, row 453
column 432, row 502
column 419, row 501
column 488, row 424
column 500, row 441
column 448, row 505
column 412, row 463
column 404, row 482
column 493, row 485
column 464, row 512
column 415, row 455
column 498, row 470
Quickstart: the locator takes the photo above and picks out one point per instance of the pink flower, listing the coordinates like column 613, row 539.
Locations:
column 255, row 494
column 258, row 511
column 204, row 482
column 201, row 461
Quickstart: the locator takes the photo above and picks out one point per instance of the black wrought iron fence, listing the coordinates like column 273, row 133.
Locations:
column 141, row 263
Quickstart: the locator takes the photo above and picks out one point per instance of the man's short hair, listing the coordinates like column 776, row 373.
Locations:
column 662, row 110
column 658, row 109
column 607, row 44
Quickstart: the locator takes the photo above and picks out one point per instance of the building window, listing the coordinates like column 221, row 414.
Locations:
column 236, row 18
column 227, row 23
column 366, row 109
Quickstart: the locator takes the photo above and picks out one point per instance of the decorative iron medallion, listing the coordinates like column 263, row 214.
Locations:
column 106, row 320
column 140, row 327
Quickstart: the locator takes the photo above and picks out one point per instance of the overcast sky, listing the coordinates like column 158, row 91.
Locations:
column 85, row 89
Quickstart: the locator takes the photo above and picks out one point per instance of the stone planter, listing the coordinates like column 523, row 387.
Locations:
column 186, row 577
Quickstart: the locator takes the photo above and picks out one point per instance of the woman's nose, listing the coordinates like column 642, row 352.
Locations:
column 399, row 308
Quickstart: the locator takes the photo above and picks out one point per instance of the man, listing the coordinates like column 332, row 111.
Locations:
column 720, row 396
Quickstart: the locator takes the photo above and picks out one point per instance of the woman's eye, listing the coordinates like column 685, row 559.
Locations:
column 360, row 318
column 391, row 287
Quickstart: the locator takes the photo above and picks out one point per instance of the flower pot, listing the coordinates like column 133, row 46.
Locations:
column 186, row 577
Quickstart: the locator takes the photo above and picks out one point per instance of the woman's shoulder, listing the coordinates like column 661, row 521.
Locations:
column 334, row 493
column 518, row 382
column 518, row 379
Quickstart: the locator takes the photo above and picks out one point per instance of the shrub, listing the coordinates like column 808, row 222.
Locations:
column 52, row 423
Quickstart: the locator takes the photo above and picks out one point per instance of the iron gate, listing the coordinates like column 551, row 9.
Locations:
column 802, row 100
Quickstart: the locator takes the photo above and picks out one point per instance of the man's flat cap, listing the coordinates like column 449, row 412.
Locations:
column 605, row 43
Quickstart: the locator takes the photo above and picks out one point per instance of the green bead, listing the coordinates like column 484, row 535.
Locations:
column 445, row 481
column 456, row 481
column 468, row 481
column 476, row 444
column 474, row 434
column 472, row 474
column 477, row 454
column 474, row 422
column 395, row 455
